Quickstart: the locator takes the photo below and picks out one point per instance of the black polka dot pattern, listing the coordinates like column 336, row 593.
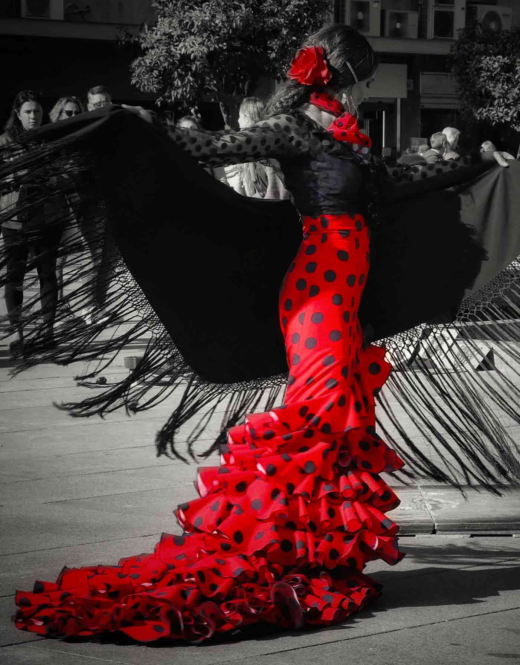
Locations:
column 278, row 136
column 298, row 487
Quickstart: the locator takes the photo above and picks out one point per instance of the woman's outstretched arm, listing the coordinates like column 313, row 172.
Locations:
column 278, row 136
column 396, row 180
column 400, row 172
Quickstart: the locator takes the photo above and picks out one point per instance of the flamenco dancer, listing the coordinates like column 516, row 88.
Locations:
column 286, row 524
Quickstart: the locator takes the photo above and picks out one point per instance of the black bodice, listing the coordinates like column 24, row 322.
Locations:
column 324, row 183
column 322, row 174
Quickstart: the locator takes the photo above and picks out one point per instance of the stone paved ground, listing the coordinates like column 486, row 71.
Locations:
column 84, row 491
column 452, row 600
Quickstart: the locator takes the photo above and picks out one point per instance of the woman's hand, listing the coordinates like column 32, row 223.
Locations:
column 141, row 112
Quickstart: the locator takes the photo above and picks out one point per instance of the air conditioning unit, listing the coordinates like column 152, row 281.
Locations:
column 364, row 15
column 402, row 25
column 492, row 18
column 44, row 9
column 438, row 91
column 445, row 18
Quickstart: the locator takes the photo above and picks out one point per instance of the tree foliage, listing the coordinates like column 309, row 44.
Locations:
column 486, row 66
column 216, row 50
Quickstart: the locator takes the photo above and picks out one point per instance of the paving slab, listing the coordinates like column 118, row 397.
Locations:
column 443, row 591
column 43, row 416
column 486, row 640
column 9, row 634
column 21, row 570
column 14, row 401
column 22, row 387
column 448, row 552
column 412, row 515
column 18, row 656
column 71, row 509
column 82, row 492
column 46, row 371
column 75, row 487
column 444, row 461
column 66, row 464
column 14, row 420
column 48, row 416
column 73, row 438
column 410, row 602
column 476, row 513
column 94, row 519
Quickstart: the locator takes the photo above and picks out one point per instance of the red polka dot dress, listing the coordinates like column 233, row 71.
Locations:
column 284, row 526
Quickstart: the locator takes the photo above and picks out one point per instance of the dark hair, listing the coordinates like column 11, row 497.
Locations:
column 14, row 126
column 99, row 90
column 57, row 109
column 342, row 44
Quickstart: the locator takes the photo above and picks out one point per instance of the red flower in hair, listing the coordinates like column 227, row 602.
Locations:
column 309, row 67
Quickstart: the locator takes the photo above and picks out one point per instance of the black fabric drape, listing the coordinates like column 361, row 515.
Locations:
column 196, row 269
column 211, row 262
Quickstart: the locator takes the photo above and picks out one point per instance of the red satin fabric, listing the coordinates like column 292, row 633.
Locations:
column 285, row 525
column 345, row 128
column 327, row 103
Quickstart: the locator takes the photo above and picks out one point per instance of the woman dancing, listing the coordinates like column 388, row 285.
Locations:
column 285, row 525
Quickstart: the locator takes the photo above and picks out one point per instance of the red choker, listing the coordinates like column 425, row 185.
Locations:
column 327, row 103
column 345, row 127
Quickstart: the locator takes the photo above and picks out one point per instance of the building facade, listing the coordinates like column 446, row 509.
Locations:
column 67, row 46
column 63, row 47
column 414, row 95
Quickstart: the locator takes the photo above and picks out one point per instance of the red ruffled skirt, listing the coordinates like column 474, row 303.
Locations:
column 284, row 527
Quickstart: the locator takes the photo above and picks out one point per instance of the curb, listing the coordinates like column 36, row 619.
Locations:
column 445, row 510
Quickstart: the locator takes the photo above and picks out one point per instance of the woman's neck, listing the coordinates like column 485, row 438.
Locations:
column 318, row 115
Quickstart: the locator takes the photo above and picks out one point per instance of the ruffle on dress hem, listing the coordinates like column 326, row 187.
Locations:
column 279, row 535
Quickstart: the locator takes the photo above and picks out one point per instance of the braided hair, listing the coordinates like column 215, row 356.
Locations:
column 342, row 44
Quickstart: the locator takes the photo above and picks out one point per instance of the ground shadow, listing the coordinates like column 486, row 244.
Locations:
column 6, row 361
column 431, row 586
column 440, row 587
column 467, row 552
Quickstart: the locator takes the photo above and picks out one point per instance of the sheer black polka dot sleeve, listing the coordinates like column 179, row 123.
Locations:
column 399, row 181
column 279, row 136
column 402, row 173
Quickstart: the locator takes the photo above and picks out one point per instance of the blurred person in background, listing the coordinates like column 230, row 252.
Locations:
column 191, row 122
column 26, row 113
column 97, row 97
column 66, row 107
column 18, row 232
column 86, row 214
column 188, row 122
column 411, row 158
column 438, row 144
column 452, row 141
column 262, row 179
column 488, row 146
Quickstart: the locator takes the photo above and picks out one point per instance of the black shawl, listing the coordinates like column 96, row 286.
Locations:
column 210, row 264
